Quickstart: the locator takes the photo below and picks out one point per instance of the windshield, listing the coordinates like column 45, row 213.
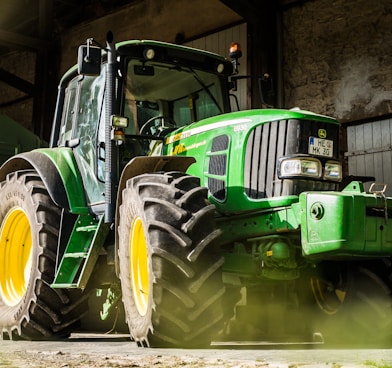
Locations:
column 175, row 96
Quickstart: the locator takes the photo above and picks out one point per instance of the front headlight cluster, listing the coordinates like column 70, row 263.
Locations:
column 333, row 171
column 308, row 167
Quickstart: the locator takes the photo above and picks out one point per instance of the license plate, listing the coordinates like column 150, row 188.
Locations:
column 320, row 147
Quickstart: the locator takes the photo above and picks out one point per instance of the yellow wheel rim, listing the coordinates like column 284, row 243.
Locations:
column 15, row 256
column 329, row 300
column 139, row 274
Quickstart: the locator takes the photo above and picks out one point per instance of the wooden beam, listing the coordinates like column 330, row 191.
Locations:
column 7, row 38
column 45, row 18
column 43, row 68
column 16, row 82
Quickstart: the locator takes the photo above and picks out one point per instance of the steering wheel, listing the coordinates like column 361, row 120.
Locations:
column 150, row 128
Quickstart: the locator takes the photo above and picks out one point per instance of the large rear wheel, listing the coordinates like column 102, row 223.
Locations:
column 170, row 267
column 29, row 307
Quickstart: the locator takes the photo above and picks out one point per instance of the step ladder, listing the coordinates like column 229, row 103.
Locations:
column 81, row 253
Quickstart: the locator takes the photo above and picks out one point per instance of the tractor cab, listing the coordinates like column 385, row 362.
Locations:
column 162, row 94
column 156, row 88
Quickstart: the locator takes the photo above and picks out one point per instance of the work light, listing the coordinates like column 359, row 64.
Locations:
column 333, row 171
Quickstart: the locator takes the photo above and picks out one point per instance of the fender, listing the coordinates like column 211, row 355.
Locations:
column 58, row 170
column 142, row 165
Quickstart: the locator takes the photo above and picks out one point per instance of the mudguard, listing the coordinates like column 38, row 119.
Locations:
column 58, row 170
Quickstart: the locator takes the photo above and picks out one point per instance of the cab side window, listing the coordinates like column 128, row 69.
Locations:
column 86, row 126
column 82, row 114
column 89, row 116
column 69, row 112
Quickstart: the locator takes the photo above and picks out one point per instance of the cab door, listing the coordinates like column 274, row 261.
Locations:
column 83, row 112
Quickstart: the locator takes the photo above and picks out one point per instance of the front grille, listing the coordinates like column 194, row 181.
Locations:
column 217, row 167
column 220, row 143
column 265, row 144
column 217, row 188
column 270, row 141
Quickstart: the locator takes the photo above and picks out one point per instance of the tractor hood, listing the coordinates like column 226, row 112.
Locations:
column 238, row 155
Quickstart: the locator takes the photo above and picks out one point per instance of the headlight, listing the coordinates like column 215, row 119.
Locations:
column 290, row 167
column 333, row 171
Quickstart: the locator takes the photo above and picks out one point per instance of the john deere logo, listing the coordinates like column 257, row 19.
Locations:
column 322, row 133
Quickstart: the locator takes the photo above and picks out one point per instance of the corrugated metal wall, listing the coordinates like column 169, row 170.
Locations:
column 219, row 43
column 369, row 151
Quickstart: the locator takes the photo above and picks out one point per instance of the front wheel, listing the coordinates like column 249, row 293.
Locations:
column 355, row 304
column 29, row 307
column 170, row 267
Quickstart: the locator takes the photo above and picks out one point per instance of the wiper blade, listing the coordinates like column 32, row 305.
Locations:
column 205, row 88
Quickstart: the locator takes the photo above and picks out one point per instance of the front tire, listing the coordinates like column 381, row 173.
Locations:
column 355, row 304
column 29, row 307
column 170, row 267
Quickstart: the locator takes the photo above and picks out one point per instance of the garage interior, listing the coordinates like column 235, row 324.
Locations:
column 333, row 58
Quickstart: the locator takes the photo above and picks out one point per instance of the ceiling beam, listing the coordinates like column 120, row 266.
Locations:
column 250, row 10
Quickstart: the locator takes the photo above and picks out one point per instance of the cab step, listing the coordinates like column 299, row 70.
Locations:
column 81, row 253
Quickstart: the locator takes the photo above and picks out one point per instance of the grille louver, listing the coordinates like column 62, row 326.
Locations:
column 265, row 144
column 217, row 167
column 268, row 142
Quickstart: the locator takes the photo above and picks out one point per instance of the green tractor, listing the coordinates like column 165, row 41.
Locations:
column 157, row 205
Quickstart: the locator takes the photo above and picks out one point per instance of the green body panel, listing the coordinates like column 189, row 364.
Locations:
column 64, row 160
column 255, row 224
column 347, row 223
column 197, row 139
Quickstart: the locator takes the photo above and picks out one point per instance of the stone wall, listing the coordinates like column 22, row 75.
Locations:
column 338, row 57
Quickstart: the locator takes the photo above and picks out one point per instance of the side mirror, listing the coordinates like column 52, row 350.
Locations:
column 89, row 60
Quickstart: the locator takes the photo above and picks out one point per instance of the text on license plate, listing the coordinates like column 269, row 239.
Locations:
column 320, row 147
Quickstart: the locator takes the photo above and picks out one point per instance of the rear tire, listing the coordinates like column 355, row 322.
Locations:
column 170, row 269
column 29, row 307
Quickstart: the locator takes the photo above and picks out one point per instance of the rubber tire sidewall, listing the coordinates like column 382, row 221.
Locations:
column 139, row 325
column 15, row 194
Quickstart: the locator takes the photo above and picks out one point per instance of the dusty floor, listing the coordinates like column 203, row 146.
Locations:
column 100, row 351
column 28, row 359
column 66, row 360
